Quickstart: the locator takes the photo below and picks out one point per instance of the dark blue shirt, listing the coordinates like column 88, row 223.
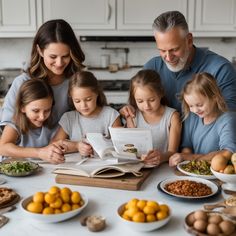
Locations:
column 203, row 61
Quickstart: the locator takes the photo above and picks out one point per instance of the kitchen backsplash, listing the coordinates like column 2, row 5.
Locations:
column 14, row 52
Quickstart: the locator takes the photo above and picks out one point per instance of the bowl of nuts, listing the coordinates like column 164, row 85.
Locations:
column 144, row 215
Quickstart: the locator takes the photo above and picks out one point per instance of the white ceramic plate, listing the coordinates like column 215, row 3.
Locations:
column 52, row 218
column 142, row 227
column 214, row 187
column 192, row 174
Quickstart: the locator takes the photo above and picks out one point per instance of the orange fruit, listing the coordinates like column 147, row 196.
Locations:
column 65, row 197
column 151, row 218
column 35, row 207
column 57, row 203
column 48, row 210
column 65, row 190
column 139, row 217
column 164, row 207
column 141, row 204
column 149, row 210
column 126, row 217
column 161, row 215
column 133, row 202
column 57, row 211
column 75, row 206
column 154, row 205
column 38, row 197
column 49, row 198
column 75, row 197
column 66, row 207
column 54, row 190
column 132, row 211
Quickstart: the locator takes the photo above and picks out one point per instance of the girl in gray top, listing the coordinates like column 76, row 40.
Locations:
column 209, row 129
column 29, row 133
column 56, row 55
column 147, row 97
column 91, row 114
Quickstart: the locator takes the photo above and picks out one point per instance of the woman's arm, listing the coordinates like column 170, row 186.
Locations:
column 8, row 147
column 117, row 122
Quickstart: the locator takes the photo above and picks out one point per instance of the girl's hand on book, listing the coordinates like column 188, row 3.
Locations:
column 153, row 157
column 85, row 149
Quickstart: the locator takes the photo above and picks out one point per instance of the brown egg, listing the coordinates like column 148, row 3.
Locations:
column 215, row 219
column 219, row 162
column 227, row 227
column 200, row 225
column 200, row 215
column 190, row 219
column 213, row 229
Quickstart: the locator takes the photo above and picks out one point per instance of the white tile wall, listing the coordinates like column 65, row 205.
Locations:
column 13, row 52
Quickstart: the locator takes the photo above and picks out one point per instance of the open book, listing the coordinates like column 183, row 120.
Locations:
column 125, row 143
column 102, row 171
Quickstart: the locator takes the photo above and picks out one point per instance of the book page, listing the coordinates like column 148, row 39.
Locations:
column 128, row 141
column 101, row 145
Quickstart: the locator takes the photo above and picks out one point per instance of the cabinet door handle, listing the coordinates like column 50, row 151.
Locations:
column 108, row 11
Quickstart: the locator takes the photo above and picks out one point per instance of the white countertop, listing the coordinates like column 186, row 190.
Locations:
column 102, row 201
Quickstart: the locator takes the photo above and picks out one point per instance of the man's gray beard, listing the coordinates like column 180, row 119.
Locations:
column 181, row 64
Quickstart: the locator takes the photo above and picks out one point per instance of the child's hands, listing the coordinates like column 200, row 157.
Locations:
column 52, row 154
column 153, row 157
column 85, row 149
column 127, row 111
column 62, row 144
column 175, row 159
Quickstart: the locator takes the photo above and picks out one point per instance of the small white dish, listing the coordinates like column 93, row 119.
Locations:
column 193, row 174
column 142, row 227
column 214, row 187
column 51, row 218
column 229, row 180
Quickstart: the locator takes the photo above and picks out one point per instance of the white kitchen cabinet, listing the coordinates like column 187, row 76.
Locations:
column 17, row 18
column 82, row 14
column 139, row 14
column 215, row 17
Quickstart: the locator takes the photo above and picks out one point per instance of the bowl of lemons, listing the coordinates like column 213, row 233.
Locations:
column 56, row 205
column 144, row 215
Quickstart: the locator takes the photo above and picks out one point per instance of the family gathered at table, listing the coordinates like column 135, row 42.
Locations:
column 186, row 96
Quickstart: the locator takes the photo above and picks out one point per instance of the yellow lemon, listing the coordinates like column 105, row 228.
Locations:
column 154, row 205
column 133, row 202
column 57, row 203
column 151, row 218
column 48, row 211
column 57, row 211
column 35, row 207
column 164, row 207
column 65, row 197
column 66, row 207
column 132, row 211
column 49, row 198
column 75, row 206
column 38, row 197
column 75, row 197
column 149, row 210
column 141, row 204
column 65, row 190
column 54, row 190
column 126, row 217
column 139, row 217
column 161, row 215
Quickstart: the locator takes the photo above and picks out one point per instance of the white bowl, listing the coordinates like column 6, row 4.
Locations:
column 51, row 218
column 143, row 227
column 228, row 179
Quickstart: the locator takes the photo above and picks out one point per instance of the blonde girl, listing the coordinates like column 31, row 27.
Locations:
column 91, row 113
column 208, row 127
column 28, row 135
column 148, row 98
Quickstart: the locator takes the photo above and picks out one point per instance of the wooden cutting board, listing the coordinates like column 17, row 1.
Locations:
column 126, row 182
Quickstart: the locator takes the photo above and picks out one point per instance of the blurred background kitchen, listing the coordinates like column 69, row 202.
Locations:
column 116, row 35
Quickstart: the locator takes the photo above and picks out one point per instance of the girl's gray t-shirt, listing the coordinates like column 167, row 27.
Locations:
column 76, row 125
column 160, row 130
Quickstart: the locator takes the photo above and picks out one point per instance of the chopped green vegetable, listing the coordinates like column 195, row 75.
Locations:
column 18, row 167
column 200, row 167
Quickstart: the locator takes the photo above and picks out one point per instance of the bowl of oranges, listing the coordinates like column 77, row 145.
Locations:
column 58, row 204
column 144, row 215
